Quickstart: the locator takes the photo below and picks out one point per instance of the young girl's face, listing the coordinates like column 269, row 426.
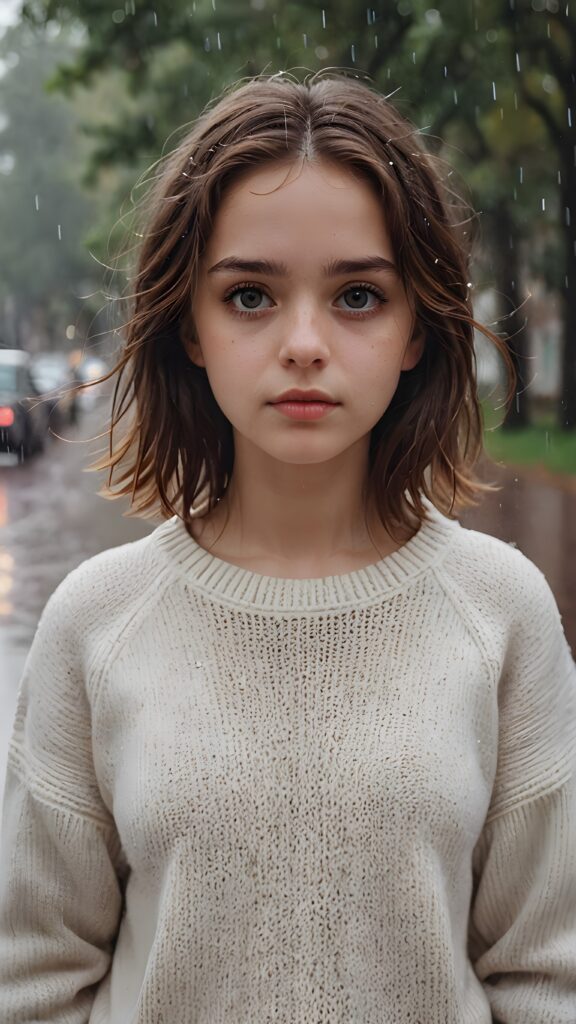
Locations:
column 297, row 288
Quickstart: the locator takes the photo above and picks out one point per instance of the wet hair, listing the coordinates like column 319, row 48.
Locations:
column 178, row 447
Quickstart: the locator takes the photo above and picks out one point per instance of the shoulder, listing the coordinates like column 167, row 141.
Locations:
column 105, row 591
column 502, row 594
column 489, row 569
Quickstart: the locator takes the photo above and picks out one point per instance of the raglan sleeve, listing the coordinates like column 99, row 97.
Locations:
column 522, row 925
column 61, row 864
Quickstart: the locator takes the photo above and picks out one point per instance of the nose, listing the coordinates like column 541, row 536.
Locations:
column 305, row 335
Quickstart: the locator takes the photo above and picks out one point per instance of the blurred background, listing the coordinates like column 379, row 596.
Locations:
column 91, row 94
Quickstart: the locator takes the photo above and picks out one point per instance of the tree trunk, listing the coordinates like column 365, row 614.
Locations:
column 507, row 269
column 567, row 403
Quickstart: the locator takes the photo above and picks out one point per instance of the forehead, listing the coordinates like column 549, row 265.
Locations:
column 295, row 204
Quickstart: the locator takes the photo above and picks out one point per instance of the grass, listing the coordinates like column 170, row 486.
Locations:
column 541, row 444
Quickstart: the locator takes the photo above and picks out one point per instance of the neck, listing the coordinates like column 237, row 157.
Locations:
column 297, row 514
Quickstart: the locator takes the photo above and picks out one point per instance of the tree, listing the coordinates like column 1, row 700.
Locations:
column 43, row 212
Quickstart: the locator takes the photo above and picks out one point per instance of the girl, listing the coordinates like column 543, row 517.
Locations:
column 306, row 753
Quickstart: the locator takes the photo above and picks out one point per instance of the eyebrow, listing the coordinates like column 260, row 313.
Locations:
column 333, row 268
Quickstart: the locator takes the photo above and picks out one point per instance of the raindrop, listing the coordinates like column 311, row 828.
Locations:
column 155, row 19
column 543, row 205
column 118, row 16
column 569, row 117
column 494, row 90
column 501, row 113
column 305, row 40
column 517, row 61
column 37, row 201
column 369, row 15
column 515, row 101
column 321, row 52
column 218, row 41
column 567, row 216
column 323, row 19
column 207, row 46
column 445, row 72
column 59, row 232
column 559, row 177
column 213, row 5
column 521, row 175
column 413, row 56
column 515, row 193
column 455, row 98
column 375, row 42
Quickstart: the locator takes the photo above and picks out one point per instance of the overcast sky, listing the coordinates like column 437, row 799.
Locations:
column 9, row 11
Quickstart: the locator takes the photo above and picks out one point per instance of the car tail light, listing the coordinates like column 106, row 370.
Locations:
column 6, row 416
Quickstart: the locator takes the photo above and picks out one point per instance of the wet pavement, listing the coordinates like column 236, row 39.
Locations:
column 51, row 520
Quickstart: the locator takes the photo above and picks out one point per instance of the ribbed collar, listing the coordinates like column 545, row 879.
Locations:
column 240, row 586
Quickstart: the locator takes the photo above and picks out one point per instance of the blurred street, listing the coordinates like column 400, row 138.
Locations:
column 51, row 520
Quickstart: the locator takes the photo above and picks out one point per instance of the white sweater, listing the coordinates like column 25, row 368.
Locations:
column 238, row 799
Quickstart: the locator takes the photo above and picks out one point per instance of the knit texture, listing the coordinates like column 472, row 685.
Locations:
column 240, row 799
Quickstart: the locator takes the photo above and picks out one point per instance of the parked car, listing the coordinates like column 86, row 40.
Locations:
column 55, row 379
column 23, row 424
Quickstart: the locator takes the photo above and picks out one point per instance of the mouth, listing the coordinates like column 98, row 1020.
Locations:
column 304, row 409
column 313, row 395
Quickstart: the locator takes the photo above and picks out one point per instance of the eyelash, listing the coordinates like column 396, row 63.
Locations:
column 355, row 315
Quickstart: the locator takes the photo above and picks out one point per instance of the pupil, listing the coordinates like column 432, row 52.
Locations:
column 250, row 298
column 357, row 295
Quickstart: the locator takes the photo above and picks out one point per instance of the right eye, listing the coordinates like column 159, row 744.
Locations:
column 246, row 299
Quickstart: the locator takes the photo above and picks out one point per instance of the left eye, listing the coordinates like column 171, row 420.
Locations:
column 359, row 298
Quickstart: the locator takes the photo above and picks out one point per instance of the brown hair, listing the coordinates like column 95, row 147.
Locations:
column 180, row 444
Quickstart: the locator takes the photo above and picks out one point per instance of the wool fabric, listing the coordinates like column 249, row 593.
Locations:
column 242, row 799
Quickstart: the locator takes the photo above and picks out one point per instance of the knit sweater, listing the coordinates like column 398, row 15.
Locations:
column 242, row 799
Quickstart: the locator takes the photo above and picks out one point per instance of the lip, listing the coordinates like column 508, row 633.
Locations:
column 304, row 410
column 295, row 395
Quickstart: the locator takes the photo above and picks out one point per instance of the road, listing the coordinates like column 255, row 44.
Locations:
column 51, row 520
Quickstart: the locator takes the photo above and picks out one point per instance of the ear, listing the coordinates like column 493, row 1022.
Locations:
column 414, row 348
column 191, row 343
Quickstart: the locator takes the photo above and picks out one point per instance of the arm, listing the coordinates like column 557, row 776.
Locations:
column 61, row 869
column 522, row 934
